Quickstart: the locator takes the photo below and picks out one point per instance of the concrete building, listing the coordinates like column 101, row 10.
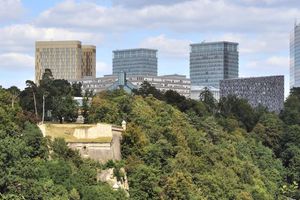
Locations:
column 100, row 142
column 211, row 62
column 178, row 83
column 266, row 91
column 66, row 59
column 135, row 62
column 295, row 57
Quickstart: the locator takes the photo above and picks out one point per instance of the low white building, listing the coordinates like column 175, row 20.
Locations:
column 178, row 83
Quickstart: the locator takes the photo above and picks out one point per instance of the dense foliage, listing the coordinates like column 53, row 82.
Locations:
column 173, row 147
column 52, row 97
column 34, row 167
column 210, row 150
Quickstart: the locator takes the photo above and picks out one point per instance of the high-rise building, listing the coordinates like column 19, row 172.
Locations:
column 211, row 62
column 66, row 59
column 135, row 62
column 295, row 57
column 88, row 61
column 266, row 91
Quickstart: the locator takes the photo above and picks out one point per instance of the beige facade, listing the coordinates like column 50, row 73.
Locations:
column 66, row 59
column 100, row 142
column 89, row 61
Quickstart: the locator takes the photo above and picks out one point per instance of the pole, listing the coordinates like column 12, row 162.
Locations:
column 43, row 109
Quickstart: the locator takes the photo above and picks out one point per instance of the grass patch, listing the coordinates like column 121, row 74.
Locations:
column 66, row 131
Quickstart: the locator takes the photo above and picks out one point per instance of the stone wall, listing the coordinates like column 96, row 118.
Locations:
column 101, row 142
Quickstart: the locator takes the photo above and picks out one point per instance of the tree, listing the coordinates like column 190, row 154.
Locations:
column 15, row 92
column 291, row 112
column 208, row 99
column 231, row 106
column 269, row 131
column 35, row 140
column 33, row 88
column 64, row 108
column 146, row 89
column 74, row 195
column 144, row 183
column 76, row 89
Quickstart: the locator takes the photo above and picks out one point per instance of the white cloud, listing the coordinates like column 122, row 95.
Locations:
column 270, row 65
column 13, row 61
column 167, row 46
column 10, row 9
column 260, row 43
column 186, row 16
column 278, row 61
column 22, row 37
column 143, row 3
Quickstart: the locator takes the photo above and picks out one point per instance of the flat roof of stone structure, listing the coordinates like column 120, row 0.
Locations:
column 80, row 133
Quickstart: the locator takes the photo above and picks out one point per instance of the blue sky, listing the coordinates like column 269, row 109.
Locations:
column 261, row 27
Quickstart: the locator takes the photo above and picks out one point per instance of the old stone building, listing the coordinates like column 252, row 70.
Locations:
column 267, row 91
column 100, row 142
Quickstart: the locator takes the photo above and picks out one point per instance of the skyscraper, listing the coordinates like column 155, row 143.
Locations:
column 211, row 62
column 88, row 61
column 66, row 59
column 135, row 62
column 295, row 57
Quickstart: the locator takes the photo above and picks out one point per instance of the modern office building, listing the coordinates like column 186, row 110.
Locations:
column 66, row 59
column 266, row 91
column 135, row 62
column 88, row 61
column 211, row 62
column 178, row 83
column 295, row 57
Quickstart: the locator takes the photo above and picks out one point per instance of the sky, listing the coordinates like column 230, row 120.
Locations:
column 261, row 27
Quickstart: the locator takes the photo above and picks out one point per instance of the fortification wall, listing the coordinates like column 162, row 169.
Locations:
column 101, row 142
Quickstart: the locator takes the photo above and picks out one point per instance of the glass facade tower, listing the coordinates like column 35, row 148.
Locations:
column 295, row 57
column 211, row 62
column 135, row 62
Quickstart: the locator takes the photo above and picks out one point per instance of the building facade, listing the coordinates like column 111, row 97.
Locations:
column 266, row 91
column 178, row 83
column 135, row 62
column 66, row 59
column 295, row 57
column 88, row 61
column 100, row 142
column 211, row 62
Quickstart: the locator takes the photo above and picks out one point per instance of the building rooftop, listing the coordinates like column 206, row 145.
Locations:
column 79, row 133
column 218, row 42
column 134, row 49
column 89, row 46
column 57, row 42
column 254, row 77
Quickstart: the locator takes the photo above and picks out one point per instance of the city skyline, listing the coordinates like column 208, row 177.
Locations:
column 263, row 38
